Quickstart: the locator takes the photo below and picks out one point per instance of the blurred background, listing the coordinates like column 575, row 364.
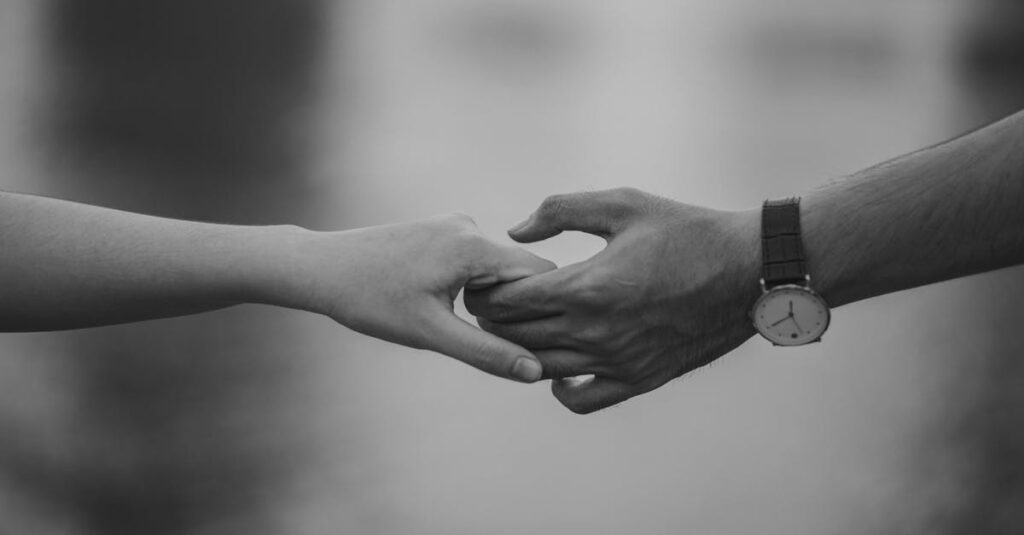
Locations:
column 359, row 112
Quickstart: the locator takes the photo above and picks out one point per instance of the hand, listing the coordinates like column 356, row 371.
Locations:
column 668, row 294
column 398, row 283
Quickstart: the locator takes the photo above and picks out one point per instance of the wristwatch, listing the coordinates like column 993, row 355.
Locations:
column 789, row 312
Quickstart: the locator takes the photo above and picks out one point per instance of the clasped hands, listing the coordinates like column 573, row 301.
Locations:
column 668, row 294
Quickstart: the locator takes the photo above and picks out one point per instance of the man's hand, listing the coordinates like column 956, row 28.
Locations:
column 668, row 294
column 398, row 282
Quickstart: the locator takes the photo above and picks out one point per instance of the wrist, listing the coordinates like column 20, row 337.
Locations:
column 273, row 273
column 746, row 231
column 831, row 280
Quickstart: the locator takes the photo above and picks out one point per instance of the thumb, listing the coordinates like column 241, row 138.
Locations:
column 484, row 351
column 602, row 213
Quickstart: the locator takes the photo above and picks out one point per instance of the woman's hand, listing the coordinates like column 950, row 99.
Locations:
column 69, row 265
column 398, row 282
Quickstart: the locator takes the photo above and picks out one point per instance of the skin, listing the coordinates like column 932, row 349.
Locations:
column 672, row 289
column 68, row 265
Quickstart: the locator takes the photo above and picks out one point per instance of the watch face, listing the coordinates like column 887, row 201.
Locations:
column 790, row 315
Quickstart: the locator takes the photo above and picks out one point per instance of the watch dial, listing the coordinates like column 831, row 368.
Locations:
column 791, row 316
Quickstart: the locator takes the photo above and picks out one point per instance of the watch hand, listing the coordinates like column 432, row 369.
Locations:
column 797, row 325
column 791, row 309
column 780, row 321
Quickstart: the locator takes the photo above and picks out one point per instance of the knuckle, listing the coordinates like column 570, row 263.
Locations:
column 590, row 288
column 592, row 334
column 469, row 249
column 459, row 220
column 627, row 196
column 463, row 218
column 472, row 241
column 554, row 205
column 626, row 202
column 527, row 336
column 499, row 311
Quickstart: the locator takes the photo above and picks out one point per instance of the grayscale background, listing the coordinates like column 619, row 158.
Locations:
column 907, row 419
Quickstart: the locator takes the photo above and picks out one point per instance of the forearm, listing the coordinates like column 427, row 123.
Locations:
column 673, row 289
column 67, row 265
column 944, row 212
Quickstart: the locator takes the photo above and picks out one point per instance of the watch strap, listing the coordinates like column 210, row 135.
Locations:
column 782, row 249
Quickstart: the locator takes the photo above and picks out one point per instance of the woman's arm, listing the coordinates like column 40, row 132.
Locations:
column 65, row 265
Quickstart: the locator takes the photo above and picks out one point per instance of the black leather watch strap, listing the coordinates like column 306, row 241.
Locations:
column 782, row 249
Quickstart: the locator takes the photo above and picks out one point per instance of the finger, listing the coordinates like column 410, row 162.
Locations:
column 462, row 341
column 562, row 363
column 602, row 213
column 545, row 333
column 535, row 297
column 584, row 396
column 495, row 263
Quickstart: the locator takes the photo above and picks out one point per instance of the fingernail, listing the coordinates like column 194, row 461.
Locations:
column 520, row 226
column 526, row 369
column 578, row 381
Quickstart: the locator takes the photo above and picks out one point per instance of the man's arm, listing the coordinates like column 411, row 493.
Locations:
column 672, row 289
column 947, row 211
column 65, row 265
